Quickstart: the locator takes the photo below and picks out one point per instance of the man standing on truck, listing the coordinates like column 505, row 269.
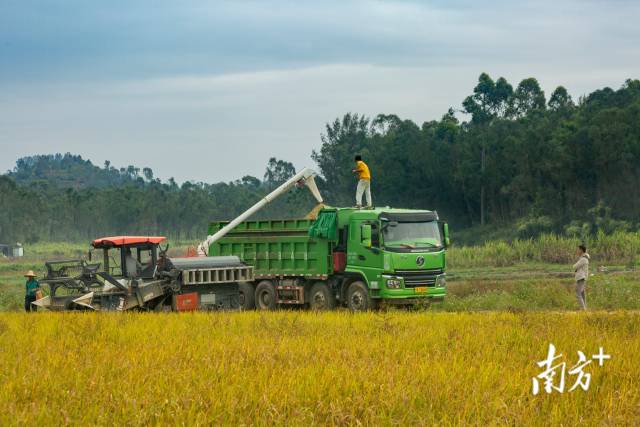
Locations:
column 364, row 182
column 581, row 269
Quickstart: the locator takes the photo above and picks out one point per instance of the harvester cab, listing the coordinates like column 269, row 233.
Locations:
column 129, row 256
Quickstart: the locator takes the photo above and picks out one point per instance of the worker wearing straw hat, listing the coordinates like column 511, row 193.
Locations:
column 32, row 286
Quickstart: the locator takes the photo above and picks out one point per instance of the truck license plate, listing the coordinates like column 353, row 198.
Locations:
column 421, row 290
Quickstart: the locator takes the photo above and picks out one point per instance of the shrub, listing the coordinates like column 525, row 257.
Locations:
column 618, row 247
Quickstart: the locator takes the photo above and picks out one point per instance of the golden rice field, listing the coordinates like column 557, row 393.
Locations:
column 305, row 368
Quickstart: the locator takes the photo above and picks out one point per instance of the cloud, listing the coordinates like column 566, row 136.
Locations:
column 208, row 127
column 75, row 40
column 210, row 90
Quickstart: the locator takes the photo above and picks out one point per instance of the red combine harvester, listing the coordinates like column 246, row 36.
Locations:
column 135, row 273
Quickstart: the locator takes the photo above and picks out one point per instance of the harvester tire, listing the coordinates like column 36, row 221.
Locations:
column 321, row 297
column 265, row 296
column 358, row 298
column 247, row 296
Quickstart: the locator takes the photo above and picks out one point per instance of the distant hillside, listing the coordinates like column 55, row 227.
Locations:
column 64, row 197
column 72, row 171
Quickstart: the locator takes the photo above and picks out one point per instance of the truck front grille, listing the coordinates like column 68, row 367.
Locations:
column 430, row 271
column 419, row 281
column 417, row 278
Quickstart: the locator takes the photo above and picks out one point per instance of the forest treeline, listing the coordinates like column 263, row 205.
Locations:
column 111, row 201
column 509, row 158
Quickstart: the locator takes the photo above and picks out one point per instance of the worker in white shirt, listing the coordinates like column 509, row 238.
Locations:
column 132, row 264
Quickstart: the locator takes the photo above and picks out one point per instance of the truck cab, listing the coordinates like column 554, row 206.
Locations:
column 399, row 254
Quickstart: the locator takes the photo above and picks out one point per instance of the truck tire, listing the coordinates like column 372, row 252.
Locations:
column 358, row 298
column 265, row 296
column 321, row 297
column 247, row 298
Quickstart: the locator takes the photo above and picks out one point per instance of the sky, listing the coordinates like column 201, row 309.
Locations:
column 210, row 90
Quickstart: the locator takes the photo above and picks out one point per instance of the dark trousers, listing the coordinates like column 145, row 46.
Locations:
column 27, row 303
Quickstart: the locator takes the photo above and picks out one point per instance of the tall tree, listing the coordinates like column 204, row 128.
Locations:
column 527, row 97
column 278, row 171
column 488, row 102
column 148, row 174
column 560, row 99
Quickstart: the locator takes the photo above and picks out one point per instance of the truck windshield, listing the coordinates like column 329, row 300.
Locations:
column 412, row 234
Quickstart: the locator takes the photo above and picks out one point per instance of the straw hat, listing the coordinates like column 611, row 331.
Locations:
column 30, row 274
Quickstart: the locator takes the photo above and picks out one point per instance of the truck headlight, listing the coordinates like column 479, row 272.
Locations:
column 394, row 283
column 441, row 281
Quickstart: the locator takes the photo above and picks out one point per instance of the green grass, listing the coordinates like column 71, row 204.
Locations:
column 617, row 248
column 604, row 292
column 56, row 249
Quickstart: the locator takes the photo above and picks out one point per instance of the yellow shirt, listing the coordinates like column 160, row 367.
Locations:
column 363, row 170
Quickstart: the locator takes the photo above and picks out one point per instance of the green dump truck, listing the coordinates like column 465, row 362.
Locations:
column 354, row 257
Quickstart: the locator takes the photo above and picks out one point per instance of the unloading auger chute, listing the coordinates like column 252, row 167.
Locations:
column 306, row 177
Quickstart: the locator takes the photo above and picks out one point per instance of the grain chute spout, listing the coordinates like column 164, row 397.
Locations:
column 306, row 177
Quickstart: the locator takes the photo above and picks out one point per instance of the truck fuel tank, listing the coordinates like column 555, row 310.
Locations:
column 193, row 263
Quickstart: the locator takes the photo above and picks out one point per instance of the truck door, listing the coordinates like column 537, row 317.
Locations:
column 363, row 251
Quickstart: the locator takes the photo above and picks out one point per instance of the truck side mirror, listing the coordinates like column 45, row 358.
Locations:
column 365, row 235
column 445, row 228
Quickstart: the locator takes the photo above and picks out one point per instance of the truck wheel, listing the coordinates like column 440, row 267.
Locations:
column 358, row 297
column 247, row 296
column 321, row 297
column 265, row 296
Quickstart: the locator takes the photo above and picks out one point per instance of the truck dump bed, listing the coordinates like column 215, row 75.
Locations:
column 279, row 248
